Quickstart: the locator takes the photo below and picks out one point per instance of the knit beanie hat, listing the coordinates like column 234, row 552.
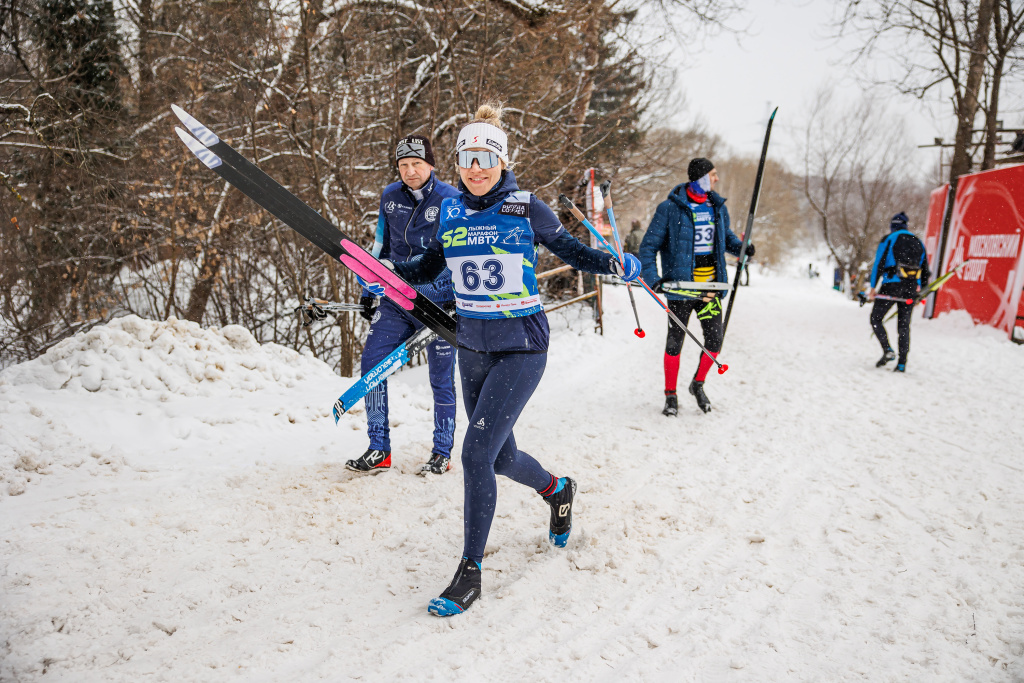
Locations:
column 898, row 222
column 416, row 146
column 699, row 168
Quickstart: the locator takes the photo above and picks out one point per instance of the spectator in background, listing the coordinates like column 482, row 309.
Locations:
column 633, row 239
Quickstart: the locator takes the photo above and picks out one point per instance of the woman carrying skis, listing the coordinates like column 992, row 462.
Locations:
column 691, row 231
column 487, row 236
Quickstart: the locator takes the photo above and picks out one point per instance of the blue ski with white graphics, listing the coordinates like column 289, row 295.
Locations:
column 394, row 360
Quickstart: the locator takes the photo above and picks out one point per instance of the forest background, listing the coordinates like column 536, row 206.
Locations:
column 104, row 213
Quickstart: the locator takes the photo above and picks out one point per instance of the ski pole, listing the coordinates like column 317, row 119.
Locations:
column 567, row 203
column 606, row 192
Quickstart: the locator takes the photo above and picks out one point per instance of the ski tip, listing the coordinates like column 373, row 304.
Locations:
column 640, row 333
column 722, row 368
column 209, row 159
column 774, row 111
column 202, row 133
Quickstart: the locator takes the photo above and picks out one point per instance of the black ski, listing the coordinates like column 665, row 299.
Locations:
column 220, row 157
column 742, row 261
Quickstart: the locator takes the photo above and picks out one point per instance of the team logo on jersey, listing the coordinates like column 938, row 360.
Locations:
column 453, row 212
column 493, row 143
column 480, row 424
column 515, row 209
column 389, row 207
column 431, row 214
column 376, row 317
column 514, row 236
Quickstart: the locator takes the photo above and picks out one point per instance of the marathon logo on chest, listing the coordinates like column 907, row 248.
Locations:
column 515, row 209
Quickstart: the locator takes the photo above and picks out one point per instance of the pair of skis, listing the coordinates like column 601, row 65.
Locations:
column 245, row 176
column 923, row 294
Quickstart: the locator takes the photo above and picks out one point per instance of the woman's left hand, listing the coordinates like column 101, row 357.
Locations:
column 631, row 271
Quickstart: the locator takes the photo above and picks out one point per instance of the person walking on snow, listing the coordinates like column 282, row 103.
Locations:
column 691, row 231
column 405, row 226
column 902, row 265
column 488, row 237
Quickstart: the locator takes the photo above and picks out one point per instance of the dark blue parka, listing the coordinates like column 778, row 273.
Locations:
column 671, row 234
column 405, row 229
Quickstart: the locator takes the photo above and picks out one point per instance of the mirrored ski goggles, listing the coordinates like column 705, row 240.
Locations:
column 484, row 158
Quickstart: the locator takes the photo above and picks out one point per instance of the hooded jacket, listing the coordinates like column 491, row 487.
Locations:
column 671, row 234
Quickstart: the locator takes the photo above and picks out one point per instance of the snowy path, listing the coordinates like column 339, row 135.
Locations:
column 827, row 521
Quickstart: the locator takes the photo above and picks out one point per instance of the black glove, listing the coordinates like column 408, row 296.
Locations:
column 657, row 287
column 750, row 250
column 369, row 304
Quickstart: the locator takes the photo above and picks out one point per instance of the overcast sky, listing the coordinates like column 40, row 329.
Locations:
column 783, row 57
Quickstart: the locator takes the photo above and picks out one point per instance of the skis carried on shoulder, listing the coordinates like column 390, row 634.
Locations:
column 391, row 363
column 252, row 181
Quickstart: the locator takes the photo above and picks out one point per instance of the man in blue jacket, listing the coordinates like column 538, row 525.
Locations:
column 902, row 265
column 405, row 225
column 691, row 231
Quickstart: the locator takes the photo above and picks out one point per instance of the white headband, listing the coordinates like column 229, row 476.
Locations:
column 484, row 135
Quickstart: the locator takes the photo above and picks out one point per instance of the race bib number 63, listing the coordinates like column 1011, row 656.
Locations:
column 487, row 274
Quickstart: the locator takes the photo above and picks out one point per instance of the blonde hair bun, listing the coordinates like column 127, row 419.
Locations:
column 489, row 112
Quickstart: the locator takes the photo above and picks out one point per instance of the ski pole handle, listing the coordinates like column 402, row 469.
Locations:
column 567, row 203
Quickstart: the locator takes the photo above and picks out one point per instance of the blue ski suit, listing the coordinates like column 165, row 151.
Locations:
column 405, row 228
column 503, row 335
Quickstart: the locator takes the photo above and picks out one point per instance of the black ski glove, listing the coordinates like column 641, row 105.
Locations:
column 657, row 286
column 369, row 304
column 750, row 250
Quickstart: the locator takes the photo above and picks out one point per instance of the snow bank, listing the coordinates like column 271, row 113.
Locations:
column 118, row 367
column 132, row 357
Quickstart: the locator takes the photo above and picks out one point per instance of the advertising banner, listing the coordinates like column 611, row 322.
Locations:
column 987, row 230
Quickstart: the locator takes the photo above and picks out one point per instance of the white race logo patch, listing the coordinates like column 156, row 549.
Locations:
column 389, row 207
column 431, row 214
column 453, row 212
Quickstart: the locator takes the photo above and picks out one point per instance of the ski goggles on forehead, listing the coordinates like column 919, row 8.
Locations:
column 484, row 158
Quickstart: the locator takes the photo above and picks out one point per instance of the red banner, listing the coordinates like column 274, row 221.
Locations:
column 987, row 229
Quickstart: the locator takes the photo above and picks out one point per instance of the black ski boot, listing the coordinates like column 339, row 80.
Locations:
column 886, row 357
column 371, row 461
column 697, row 391
column 561, row 512
column 671, row 408
column 438, row 464
column 460, row 593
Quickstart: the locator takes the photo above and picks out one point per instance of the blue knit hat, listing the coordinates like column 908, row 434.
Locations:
column 898, row 222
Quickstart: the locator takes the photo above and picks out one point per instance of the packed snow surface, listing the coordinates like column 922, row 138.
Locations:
column 174, row 506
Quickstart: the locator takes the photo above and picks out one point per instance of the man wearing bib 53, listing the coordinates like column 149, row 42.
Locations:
column 691, row 231
column 487, row 236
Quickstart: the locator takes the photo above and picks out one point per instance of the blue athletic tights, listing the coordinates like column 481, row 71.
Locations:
column 495, row 388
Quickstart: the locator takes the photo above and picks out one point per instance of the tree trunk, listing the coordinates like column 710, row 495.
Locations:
column 967, row 105
column 991, row 127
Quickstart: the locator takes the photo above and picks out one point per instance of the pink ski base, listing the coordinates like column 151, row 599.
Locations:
column 364, row 272
column 379, row 269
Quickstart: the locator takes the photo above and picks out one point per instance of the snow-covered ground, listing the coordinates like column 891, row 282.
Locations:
column 174, row 506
